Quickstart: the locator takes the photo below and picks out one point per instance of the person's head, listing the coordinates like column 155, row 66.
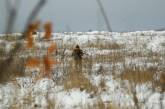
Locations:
column 77, row 46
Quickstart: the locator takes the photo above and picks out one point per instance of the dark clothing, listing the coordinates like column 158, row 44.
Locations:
column 77, row 56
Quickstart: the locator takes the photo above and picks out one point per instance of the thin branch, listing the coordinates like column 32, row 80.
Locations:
column 12, row 11
column 34, row 13
column 104, row 15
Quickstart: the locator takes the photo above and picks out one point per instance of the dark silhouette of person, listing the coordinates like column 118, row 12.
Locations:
column 77, row 56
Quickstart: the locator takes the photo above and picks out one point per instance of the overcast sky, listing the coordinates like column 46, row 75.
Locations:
column 83, row 15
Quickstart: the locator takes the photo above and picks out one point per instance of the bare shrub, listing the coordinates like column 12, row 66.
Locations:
column 9, row 70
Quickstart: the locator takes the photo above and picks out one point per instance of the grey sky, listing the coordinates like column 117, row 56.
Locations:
column 82, row 15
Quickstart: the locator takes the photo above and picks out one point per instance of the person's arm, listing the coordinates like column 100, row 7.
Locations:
column 82, row 53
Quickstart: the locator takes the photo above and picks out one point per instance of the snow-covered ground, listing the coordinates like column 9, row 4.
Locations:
column 134, row 48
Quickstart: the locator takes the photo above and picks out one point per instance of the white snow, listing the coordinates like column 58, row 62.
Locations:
column 73, row 99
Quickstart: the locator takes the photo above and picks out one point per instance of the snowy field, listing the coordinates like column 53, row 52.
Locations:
column 119, row 71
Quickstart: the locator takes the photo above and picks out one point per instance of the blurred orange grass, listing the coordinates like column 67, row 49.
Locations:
column 29, row 33
column 48, row 30
column 33, row 62
column 52, row 48
column 47, row 62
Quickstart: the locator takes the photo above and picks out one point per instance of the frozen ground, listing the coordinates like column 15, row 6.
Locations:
column 28, row 93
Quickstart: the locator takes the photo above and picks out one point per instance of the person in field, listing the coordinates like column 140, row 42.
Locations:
column 77, row 56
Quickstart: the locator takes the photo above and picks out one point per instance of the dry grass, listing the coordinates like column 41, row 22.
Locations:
column 135, row 54
column 9, row 70
column 100, row 45
column 111, row 57
column 78, row 80
column 10, row 38
column 138, row 75
column 75, row 78
column 102, row 84
column 101, row 105
column 51, row 104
